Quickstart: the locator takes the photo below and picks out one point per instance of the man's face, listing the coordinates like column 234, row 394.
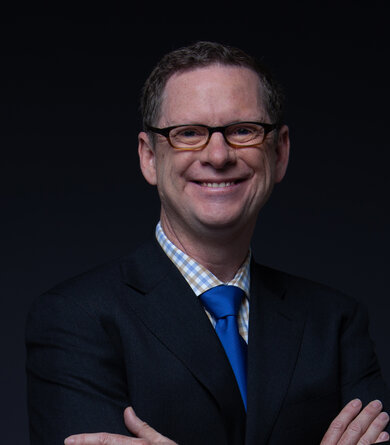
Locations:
column 219, row 187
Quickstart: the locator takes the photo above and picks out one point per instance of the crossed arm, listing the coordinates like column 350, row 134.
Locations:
column 353, row 426
column 71, row 359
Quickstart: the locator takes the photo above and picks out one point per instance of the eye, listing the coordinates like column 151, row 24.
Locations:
column 188, row 132
column 188, row 136
column 244, row 132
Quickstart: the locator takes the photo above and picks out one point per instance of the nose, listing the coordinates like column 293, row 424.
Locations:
column 217, row 152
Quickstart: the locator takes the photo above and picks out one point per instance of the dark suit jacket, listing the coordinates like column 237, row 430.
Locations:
column 133, row 333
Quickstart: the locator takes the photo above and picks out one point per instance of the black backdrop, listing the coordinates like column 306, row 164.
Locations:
column 72, row 196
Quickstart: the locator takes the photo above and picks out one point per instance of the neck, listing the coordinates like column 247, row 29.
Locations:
column 221, row 251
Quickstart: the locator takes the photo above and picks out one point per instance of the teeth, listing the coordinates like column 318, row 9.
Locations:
column 217, row 184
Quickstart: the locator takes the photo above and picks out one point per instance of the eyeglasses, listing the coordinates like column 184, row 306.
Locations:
column 196, row 137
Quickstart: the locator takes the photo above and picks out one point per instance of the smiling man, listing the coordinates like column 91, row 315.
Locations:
column 205, row 344
column 213, row 184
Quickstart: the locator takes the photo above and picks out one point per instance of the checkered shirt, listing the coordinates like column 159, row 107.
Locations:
column 200, row 279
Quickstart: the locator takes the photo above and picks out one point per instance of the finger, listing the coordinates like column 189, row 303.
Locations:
column 341, row 422
column 99, row 439
column 366, row 427
column 375, row 429
column 383, row 437
column 142, row 430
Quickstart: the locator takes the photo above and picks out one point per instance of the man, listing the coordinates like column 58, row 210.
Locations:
column 141, row 330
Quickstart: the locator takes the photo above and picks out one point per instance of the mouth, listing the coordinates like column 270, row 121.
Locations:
column 219, row 184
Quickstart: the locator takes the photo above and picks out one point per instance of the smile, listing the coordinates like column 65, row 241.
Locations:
column 216, row 184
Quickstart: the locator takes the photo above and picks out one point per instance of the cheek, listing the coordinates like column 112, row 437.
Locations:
column 170, row 169
column 175, row 165
column 163, row 167
column 269, row 175
column 262, row 164
column 263, row 168
column 269, row 166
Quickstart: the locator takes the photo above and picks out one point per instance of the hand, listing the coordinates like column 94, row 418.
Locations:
column 355, row 427
column 145, row 435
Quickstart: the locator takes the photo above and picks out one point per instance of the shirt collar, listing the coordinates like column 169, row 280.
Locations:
column 198, row 277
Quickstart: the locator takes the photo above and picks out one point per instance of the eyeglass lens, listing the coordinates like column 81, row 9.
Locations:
column 193, row 136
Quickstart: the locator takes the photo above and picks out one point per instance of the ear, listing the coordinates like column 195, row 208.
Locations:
column 147, row 158
column 282, row 153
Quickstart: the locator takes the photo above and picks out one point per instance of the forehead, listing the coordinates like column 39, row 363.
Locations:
column 212, row 93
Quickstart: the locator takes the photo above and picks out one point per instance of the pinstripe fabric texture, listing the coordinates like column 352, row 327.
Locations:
column 200, row 279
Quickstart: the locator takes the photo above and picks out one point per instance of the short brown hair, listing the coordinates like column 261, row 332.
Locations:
column 202, row 54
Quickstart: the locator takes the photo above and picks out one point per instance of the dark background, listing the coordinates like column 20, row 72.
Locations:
column 71, row 192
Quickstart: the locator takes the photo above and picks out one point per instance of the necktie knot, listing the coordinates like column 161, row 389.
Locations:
column 222, row 301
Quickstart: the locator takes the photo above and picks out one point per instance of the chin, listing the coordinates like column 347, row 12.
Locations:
column 221, row 222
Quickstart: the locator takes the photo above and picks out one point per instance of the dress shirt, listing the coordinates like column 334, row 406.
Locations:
column 201, row 279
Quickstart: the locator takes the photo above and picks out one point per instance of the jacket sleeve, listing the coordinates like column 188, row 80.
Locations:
column 75, row 378
column 359, row 367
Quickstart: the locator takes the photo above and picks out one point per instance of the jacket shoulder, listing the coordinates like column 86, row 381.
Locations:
column 99, row 286
column 302, row 292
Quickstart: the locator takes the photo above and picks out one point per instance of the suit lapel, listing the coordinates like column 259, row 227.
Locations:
column 275, row 334
column 168, row 307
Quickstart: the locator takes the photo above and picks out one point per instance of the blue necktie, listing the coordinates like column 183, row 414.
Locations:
column 223, row 303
